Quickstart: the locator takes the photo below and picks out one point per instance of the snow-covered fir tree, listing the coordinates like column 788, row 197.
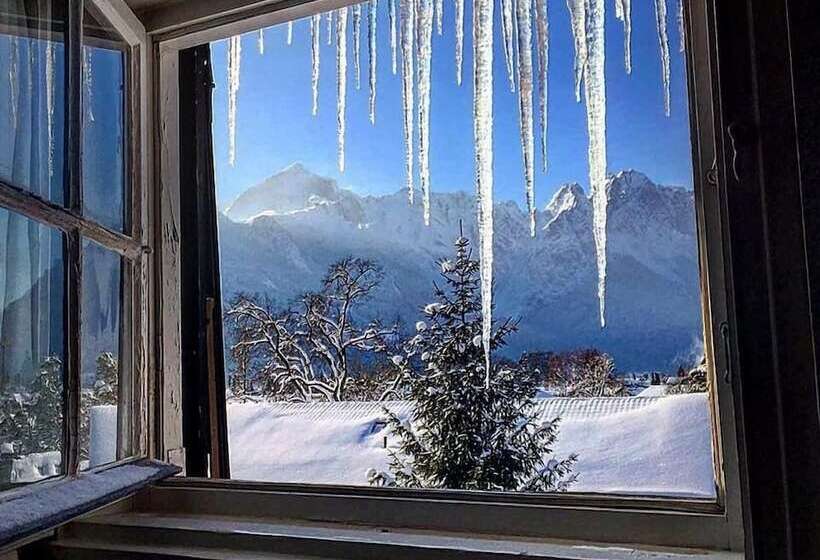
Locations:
column 106, row 379
column 469, row 431
column 31, row 418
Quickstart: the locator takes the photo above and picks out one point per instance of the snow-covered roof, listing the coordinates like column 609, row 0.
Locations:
column 654, row 391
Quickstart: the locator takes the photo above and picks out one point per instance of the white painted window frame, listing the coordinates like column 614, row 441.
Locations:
column 137, row 309
column 710, row 524
column 133, row 246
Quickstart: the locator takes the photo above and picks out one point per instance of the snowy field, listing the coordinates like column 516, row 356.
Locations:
column 657, row 446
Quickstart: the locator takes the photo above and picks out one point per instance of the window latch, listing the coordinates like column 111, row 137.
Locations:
column 712, row 174
column 741, row 135
column 727, row 351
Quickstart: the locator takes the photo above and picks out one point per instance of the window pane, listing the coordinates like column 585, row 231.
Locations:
column 104, row 161
column 101, row 355
column 340, row 300
column 31, row 350
column 32, row 60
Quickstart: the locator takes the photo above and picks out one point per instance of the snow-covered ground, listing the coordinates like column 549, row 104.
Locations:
column 646, row 445
column 632, row 445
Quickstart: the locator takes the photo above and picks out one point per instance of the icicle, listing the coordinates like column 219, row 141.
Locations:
column 577, row 12
column 408, row 33
column 290, row 33
column 234, row 57
column 341, row 81
column 393, row 44
column 14, row 83
column 663, row 41
column 330, row 28
column 357, row 36
column 681, row 27
column 260, row 41
column 525, row 112
column 507, row 19
column 483, row 138
column 542, row 42
column 623, row 11
column 371, row 40
column 315, row 23
column 459, row 39
column 88, row 82
column 439, row 16
column 425, row 47
column 595, row 96
column 50, row 105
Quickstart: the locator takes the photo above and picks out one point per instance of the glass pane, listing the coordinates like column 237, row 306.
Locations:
column 32, row 61
column 101, row 341
column 31, row 350
column 104, row 161
column 340, row 300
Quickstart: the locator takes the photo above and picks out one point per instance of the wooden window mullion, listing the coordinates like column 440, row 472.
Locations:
column 67, row 220
column 73, row 269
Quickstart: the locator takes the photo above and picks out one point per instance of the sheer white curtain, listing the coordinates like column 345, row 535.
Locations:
column 31, row 99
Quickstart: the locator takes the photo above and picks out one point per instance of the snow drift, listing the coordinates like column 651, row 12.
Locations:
column 659, row 446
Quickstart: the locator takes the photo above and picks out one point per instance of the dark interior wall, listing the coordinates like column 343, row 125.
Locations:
column 805, row 48
column 767, row 71
column 804, row 44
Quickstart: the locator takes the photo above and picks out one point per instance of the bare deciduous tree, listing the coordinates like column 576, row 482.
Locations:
column 305, row 352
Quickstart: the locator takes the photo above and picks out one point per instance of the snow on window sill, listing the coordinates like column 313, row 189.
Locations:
column 44, row 506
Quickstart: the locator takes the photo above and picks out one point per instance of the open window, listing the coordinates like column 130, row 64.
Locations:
column 337, row 291
column 341, row 203
column 71, row 244
column 209, row 256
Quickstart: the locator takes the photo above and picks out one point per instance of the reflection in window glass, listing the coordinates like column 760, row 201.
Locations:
column 104, row 62
column 32, row 60
column 31, row 350
column 354, row 310
column 101, row 351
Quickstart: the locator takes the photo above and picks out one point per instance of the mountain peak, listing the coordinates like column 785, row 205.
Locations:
column 295, row 168
column 293, row 188
column 569, row 196
column 628, row 181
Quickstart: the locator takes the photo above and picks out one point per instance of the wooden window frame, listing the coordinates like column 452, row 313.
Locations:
column 714, row 524
column 132, row 245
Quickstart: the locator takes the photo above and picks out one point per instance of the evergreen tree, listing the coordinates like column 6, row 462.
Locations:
column 465, row 434
column 106, row 380
column 46, row 409
column 31, row 420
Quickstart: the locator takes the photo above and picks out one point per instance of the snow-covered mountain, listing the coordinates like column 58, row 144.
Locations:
column 279, row 236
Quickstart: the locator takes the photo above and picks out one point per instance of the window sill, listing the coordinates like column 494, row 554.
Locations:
column 216, row 536
column 618, row 521
column 41, row 507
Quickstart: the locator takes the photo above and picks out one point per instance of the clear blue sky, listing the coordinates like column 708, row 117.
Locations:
column 275, row 126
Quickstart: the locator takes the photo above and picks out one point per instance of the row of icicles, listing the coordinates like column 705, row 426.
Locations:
column 49, row 54
column 411, row 24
